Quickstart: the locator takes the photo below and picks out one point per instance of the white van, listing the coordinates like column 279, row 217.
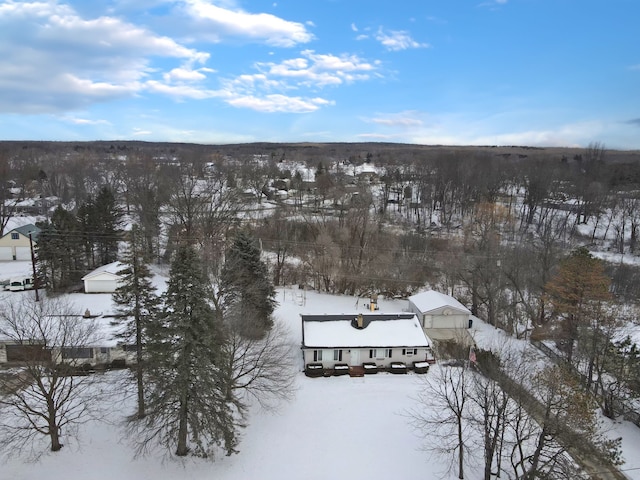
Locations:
column 18, row 284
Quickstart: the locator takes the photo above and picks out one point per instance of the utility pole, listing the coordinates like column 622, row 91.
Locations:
column 33, row 267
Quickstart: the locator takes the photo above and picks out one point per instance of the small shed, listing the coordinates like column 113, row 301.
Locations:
column 438, row 310
column 356, row 339
column 104, row 279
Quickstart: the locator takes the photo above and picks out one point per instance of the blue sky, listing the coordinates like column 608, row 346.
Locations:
column 456, row 72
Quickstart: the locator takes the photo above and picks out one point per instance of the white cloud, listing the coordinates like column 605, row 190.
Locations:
column 279, row 103
column 84, row 121
column 186, row 74
column 270, row 89
column 396, row 40
column 319, row 70
column 461, row 132
column 402, row 119
column 471, row 129
column 139, row 132
column 181, row 91
column 51, row 59
column 215, row 22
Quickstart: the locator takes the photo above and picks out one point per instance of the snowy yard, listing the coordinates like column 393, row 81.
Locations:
column 338, row 427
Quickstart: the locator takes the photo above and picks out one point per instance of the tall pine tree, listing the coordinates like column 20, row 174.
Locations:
column 59, row 252
column 190, row 406
column 109, row 221
column 136, row 306
column 101, row 220
column 246, row 292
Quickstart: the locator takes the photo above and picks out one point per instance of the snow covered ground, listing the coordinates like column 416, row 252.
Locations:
column 342, row 427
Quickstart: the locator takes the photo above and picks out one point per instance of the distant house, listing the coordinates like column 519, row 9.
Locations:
column 442, row 316
column 356, row 339
column 18, row 353
column 15, row 244
column 104, row 279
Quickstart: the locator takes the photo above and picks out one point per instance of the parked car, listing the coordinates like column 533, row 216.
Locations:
column 18, row 284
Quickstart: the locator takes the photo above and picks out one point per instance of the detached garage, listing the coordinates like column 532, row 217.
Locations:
column 437, row 310
column 15, row 245
column 104, row 279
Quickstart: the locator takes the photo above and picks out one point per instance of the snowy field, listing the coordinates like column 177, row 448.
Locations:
column 337, row 427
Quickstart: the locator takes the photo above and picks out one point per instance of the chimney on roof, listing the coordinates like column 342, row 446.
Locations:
column 373, row 302
column 360, row 321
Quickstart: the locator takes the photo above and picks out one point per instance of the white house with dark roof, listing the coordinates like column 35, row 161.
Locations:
column 16, row 245
column 104, row 279
column 356, row 339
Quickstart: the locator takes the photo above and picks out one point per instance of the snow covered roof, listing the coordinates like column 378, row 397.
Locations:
column 380, row 330
column 110, row 268
column 432, row 300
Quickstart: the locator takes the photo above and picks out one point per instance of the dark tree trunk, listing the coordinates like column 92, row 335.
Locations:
column 182, row 448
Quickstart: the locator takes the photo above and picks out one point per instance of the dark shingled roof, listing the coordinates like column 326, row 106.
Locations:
column 28, row 229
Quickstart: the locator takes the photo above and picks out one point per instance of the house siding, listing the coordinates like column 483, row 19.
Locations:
column 100, row 355
column 437, row 319
column 18, row 249
column 329, row 362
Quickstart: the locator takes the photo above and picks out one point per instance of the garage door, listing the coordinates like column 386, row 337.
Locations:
column 5, row 253
column 99, row 286
column 23, row 253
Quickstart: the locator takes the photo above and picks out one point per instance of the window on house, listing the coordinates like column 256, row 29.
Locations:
column 409, row 351
column 388, row 352
column 337, row 355
column 317, row 355
column 77, row 352
column 15, row 236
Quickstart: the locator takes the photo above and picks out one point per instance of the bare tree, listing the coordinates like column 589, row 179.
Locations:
column 43, row 399
column 262, row 368
column 442, row 415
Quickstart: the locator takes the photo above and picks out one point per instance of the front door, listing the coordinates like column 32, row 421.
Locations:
column 355, row 357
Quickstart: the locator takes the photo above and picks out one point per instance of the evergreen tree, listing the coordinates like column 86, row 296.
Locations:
column 136, row 305
column 246, row 292
column 190, row 405
column 108, row 221
column 100, row 220
column 576, row 294
column 59, row 251
column 88, row 225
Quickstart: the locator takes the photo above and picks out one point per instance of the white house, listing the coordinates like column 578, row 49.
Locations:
column 357, row 339
column 15, row 244
column 19, row 353
column 104, row 279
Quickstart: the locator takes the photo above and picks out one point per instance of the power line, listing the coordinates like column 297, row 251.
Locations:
column 300, row 244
